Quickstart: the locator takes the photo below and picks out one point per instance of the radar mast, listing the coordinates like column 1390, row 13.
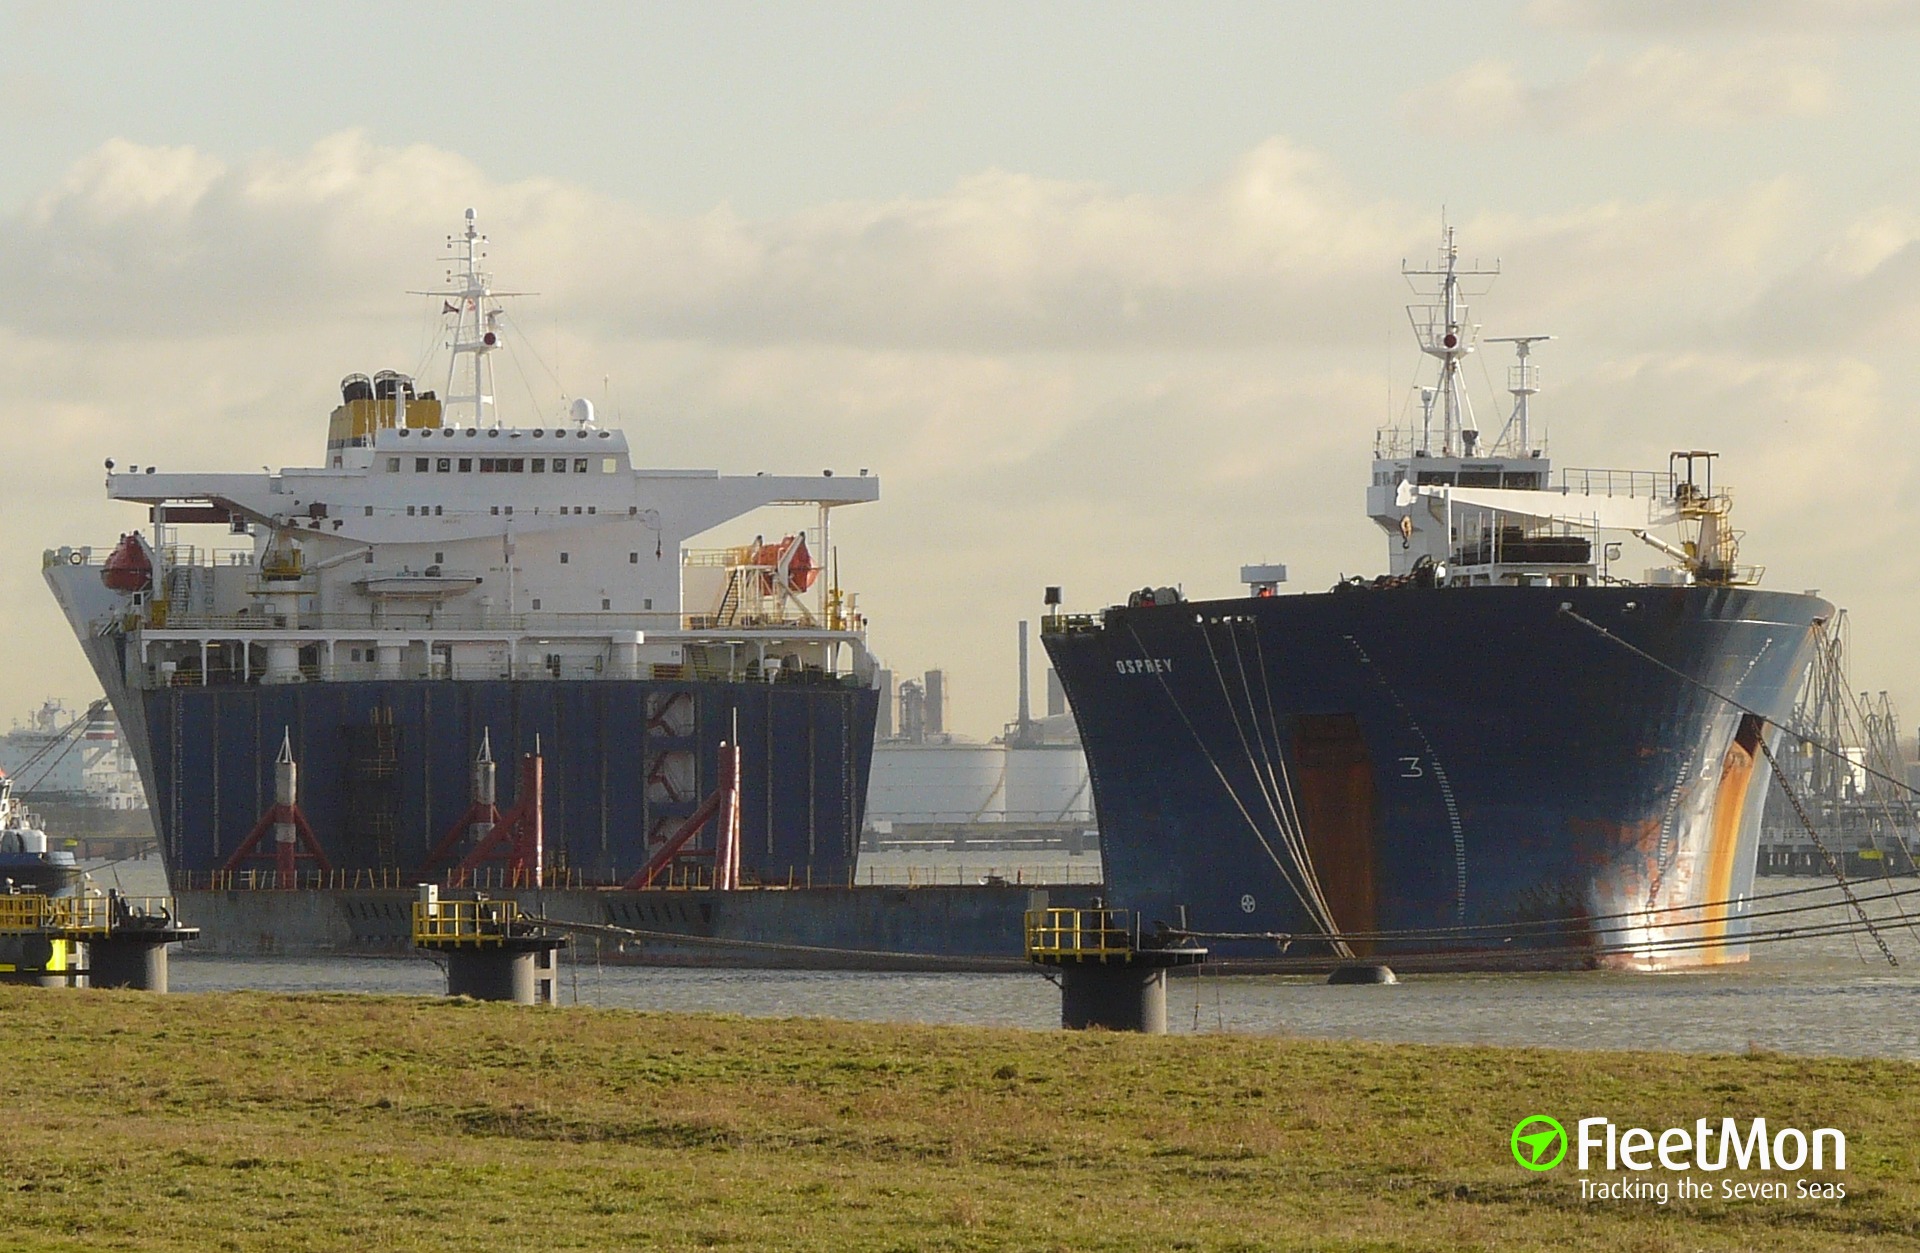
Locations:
column 1442, row 328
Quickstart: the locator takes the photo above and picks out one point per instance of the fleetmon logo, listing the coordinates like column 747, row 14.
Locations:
column 1539, row 1142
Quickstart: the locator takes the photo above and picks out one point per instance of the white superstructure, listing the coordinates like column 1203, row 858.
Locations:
column 1463, row 511
column 438, row 541
column 75, row 757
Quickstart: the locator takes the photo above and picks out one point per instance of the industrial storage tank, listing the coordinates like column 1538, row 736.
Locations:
column 1047, row 783
column 937, row 783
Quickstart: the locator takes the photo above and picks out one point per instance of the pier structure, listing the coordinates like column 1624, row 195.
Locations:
column 493, row 951
column 1108, row 977
column 110, row 941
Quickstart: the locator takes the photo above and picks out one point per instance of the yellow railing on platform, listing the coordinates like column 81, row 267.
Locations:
column 464, row 922
column 80, row 916
column 22, row 913
column 1080, row 934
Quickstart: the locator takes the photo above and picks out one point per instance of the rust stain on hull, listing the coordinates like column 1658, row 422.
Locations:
column 1336, row 797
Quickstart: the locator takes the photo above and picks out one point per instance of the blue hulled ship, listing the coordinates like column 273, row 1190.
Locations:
column 1507, row 751
column 446, row 587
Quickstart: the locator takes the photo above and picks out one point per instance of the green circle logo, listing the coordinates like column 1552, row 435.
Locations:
column 1530, row 1148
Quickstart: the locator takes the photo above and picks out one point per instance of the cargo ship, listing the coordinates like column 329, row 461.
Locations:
column 80, row 781
column 1509, row 750
column 445, row 589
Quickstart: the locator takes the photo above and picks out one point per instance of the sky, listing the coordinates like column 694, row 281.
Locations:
column 1108, row 295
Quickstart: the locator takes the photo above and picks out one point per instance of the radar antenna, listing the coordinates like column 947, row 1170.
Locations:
column 1523, row 380
column 1444, row 332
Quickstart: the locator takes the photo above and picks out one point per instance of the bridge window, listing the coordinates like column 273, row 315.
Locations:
column 579, row 465
column 393, row 465
column 563, row 559
column 466, row 465
column 443, row 466
column 559, row 465
column 539, row 465
column 420, row 464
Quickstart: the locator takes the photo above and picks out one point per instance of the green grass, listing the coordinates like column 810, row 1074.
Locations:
column 345, row 1122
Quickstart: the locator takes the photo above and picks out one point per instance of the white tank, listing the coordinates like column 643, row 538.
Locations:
column 937, row 783
column 1048, row 783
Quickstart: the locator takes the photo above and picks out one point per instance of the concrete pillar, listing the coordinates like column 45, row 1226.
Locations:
column 1118, row 996
column 520, row 970
column 128, row 961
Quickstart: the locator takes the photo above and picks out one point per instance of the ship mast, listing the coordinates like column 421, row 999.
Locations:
column 1523, row 380
column 473, row 313
column 1444, row 332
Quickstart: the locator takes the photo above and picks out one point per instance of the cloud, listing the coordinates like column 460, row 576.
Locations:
column 1859, row 293
column 1058, row 382
column 1649, row 16
column 1002, row 261
column 1711, row 89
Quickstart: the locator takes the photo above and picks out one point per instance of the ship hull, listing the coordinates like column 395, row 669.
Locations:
column 1473, row 777
column 385, row 768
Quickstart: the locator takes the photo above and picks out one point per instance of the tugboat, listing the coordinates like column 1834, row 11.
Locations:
column 28, row 868
column 27, row 864
column 1508, row 750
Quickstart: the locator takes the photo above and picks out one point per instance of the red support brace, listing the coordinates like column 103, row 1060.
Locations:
column 519, row 837
column 286, row 854
column 725, row 801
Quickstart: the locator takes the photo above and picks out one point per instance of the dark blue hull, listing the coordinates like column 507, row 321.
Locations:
column 1472, row 768
column 385, row 767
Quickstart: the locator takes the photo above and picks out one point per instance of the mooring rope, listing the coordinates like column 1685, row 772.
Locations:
column 1232, row 795
column 1292, row 837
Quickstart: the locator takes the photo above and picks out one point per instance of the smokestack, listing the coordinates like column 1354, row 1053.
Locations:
column 1026, row 712
column 936, row 702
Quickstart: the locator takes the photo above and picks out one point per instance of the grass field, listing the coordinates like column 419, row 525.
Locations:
column 248, row 1121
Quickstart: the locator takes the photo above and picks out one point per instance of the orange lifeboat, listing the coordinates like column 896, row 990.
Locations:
column 789, row 566
column 127, row 568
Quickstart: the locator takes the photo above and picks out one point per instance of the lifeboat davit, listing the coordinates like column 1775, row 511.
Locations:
column 127, row 568
column 790, row 565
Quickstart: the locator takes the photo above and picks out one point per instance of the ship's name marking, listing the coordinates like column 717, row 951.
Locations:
column 1144, row 665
